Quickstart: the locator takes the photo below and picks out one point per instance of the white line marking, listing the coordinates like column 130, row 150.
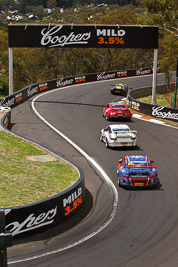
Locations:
column 105, row 176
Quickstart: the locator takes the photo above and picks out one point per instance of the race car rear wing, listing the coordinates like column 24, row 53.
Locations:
column 125, row 133
column 138, row 167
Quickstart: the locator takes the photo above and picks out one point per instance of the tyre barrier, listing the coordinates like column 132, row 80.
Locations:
column 39, row 216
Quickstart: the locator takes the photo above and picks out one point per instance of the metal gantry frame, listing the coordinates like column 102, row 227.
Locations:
column 103, row 36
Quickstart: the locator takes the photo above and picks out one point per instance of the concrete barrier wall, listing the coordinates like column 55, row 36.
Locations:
column 141, row 92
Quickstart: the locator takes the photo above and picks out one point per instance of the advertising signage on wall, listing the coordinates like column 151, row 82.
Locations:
column 155, row 111
column 96, row 36
column 37, row 217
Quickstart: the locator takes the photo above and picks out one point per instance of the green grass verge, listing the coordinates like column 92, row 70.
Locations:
column 22, row 180
column 160, row 100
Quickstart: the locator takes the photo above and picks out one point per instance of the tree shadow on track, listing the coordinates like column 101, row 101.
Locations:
column 68, row 103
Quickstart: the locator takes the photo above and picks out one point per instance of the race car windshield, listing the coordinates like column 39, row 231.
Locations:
column 139, row 164
column 118, row 106
column 123, row 87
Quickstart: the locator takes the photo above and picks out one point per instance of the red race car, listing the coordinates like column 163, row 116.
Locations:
column 116, row 110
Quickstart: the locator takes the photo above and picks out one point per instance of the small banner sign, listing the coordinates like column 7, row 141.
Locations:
column 90, row 36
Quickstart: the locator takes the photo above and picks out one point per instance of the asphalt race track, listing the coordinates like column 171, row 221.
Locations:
column 144, row 230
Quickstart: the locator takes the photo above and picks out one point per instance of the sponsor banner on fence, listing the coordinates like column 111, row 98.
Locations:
column 155, row 111
column 94, row 36
column 164, row 113
column 27, row 92
column 37, row 217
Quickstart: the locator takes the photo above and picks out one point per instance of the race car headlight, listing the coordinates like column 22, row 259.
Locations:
column 127, row 181
column 125, row 175
column 152, row 180
column 152, row 175
column 113, row 139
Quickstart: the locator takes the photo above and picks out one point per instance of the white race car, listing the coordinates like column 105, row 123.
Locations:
column 118, row 135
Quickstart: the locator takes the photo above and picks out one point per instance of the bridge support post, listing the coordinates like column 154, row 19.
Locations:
column 10, row 71
column 154, row 76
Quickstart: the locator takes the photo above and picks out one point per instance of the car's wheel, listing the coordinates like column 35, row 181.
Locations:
column 107, row 144
column 107, row 118
column 119, row 183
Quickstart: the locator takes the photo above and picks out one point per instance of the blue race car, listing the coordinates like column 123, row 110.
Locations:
column 137, row 171
column 120, row 89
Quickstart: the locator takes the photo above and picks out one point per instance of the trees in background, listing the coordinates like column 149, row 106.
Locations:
column 165, row 15
column 37, row 64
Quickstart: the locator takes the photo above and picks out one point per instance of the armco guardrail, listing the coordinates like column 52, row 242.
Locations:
column 155, row 111
column 39, row 216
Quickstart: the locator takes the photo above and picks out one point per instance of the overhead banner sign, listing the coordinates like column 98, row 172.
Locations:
column 90, row 36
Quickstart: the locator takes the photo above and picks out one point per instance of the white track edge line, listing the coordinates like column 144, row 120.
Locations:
column 105, row 176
